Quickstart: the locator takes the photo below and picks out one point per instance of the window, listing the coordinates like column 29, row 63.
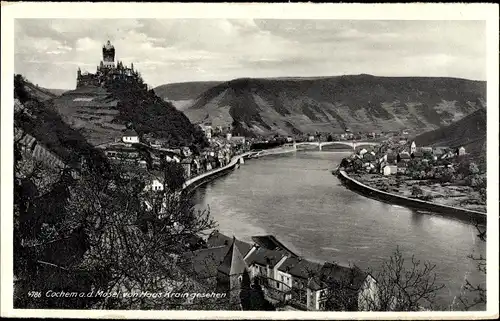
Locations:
column 240, row 279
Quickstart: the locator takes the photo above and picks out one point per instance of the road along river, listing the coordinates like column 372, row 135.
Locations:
column 296, row 198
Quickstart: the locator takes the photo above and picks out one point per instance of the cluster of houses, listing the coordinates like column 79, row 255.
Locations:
column 146, row 154
column 283, row 275
column 394, row 159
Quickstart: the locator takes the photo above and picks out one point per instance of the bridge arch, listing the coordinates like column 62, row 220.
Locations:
column 351, row 144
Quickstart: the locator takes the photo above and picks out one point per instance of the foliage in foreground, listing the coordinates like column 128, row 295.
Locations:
column 93, row 234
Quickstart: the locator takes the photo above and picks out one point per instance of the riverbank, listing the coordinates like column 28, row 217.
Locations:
column 455, row 195
column 197, row 181
column 275, row 151
column 445, row 210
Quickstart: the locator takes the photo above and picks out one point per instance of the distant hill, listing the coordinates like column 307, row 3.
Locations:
column 102, row 113
column 56, row 92
column 184, row 90
column 36, row 92
column 469, row 132
column 331, row 104
column 183, row 95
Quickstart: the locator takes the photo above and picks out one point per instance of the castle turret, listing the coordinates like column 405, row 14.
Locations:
column 108, row 55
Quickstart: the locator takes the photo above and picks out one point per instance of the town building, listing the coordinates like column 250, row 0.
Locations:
column 413, row 147
column 207, row 130
column 230, row 274
column 130, row 136
column 389, row 170
column 389, row 158
column 154, row 183
column 392, row 158
column 124, row 154
column 361, row 286
column 426, row 149
column 403, row 157
column 402, row 167
column 417, row 155
column 439, row 151
column 283, row 275
column 362, row 152
column 448, row 154
column 461, row 151
column 186, row 163
column 369, row 167
column 237, row 139
column 369, row 157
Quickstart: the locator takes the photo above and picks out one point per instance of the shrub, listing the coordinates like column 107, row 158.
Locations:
column 416, row 191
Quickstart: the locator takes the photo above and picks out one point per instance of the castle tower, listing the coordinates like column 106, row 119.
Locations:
column 108, row 55
column 231, row 275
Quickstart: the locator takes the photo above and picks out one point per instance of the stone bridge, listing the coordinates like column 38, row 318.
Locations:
column 351, row 144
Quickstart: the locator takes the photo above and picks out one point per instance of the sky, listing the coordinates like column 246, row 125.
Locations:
column 49, row 51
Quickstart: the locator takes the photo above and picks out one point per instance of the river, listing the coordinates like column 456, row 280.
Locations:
column 296, row 198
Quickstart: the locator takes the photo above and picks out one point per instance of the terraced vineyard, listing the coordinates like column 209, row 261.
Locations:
column 92, row 110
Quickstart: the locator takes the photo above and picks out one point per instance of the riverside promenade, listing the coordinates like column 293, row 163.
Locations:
column 191, row 184
column 445, row 210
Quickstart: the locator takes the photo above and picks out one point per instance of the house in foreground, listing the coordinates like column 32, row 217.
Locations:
column 228, row 263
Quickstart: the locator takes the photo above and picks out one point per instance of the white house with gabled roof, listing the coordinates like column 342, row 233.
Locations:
column 130, row 136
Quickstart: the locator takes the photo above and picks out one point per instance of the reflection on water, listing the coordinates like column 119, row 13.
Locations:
column 296, row 198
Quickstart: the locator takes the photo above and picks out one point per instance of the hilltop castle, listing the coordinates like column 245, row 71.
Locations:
column 107, row 71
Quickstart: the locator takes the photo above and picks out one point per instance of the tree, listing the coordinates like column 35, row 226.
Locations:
column 330, row 138
column 398, row 286
column 120, row 245
column 174, row 176
column 473, row 169
column 48, row 241
column 357, row 165
column 416, row 191
column 403, row 286
column 252, row 296
column 341, row 294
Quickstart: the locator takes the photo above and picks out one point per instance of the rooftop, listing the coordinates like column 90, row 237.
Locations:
column 352, row 275
column 129, row 132
column 218, row 239
column 233, row 263
column 205, row 262
column 263, row 256
column 301, row 268
column 271, row 243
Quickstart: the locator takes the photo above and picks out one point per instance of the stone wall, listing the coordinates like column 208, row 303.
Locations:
column 460, row 213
